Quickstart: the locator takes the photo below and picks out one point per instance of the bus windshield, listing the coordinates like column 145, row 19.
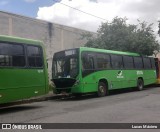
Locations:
column 65, row 64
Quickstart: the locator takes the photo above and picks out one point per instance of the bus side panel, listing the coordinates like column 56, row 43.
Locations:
column 21, row 83
column 130, row 78
column 118, row 79
column 149, row 76
column 90, row 83
column 114, row 80
column 78, row 89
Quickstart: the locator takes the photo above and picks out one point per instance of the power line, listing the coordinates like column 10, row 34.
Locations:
column 82, row 11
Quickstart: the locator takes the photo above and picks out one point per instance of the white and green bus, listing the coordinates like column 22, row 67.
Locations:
column 86, row 70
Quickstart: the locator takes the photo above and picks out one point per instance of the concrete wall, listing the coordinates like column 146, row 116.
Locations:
column 55, row 37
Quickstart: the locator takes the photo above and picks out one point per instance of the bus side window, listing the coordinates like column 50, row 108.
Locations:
column 91, row 62
column 138, row 63
column 34, row 56
column 117, row 62
column 84, row 62
column 128, row 62
column 103, row 61
column 147, row 63
column 87, row 64
column 12, row 55
column 153, row 63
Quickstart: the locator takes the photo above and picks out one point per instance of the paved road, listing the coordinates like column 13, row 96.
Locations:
column 125, row 106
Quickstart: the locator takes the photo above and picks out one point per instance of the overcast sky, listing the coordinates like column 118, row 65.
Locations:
column 145, row 10
column 55, row 11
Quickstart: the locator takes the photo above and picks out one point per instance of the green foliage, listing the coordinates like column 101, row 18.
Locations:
column 159, row 28
column 118, row 35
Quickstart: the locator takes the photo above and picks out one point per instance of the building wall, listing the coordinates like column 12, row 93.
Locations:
column 55, row 37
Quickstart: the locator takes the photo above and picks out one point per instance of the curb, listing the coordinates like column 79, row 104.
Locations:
column 48, row 96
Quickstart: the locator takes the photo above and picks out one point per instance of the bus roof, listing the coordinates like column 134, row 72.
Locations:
column 108, row 51
column 19, row 40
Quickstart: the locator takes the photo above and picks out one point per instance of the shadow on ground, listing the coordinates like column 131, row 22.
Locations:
column 93, row 95
column 14, row 109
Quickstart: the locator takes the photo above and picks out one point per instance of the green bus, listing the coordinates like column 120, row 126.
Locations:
column 23, row 69
column 86, row 70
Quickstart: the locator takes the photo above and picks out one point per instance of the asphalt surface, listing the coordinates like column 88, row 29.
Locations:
column 122, row 106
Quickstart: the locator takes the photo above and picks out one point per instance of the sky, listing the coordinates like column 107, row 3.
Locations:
column 85, row 14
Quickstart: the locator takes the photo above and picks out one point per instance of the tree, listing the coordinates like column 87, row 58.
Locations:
column 118, row 35
column 159, row 28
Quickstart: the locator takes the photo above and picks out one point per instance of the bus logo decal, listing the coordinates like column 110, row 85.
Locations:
column 120, row 74
column 6, row 126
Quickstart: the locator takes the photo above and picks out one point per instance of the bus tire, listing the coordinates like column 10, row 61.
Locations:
column 140, row 84
column 102, row 89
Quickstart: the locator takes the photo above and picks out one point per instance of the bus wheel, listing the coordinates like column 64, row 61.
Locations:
column 102, row 90
column 140, row 84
